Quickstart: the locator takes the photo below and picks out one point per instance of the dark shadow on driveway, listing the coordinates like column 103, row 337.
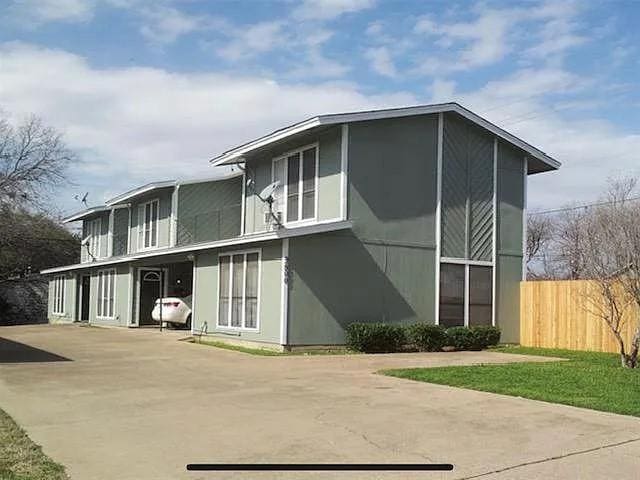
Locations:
column 16, row 352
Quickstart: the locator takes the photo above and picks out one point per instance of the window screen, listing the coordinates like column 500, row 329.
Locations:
column 451, row 295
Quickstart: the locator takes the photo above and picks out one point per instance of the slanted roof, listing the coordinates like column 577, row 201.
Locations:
column 235, row 155
column 139, row 191
column 85, row 213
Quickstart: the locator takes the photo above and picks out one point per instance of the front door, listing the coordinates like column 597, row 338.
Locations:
column 151, row 286
column 84, row 298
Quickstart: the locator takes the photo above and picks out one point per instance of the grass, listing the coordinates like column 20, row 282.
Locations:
column 586, row 379
column 21, row 459
column 271, row 353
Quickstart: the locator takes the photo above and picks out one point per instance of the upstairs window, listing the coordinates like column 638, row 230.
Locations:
column 58, row 295
column 94, row 229
column 297, row 173
column 148, row 224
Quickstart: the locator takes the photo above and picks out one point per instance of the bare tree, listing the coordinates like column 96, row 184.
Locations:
column 609, row 253
column 33, row 160
column 539, row 235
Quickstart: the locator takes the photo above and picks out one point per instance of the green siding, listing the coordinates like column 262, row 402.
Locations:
column 338, row 279
column 508, row 297
column 209, row 211
column 206, row 293
column 329, row 178
column 69, row 300
column 384, row 270
column 467, row 190
column 120, row 231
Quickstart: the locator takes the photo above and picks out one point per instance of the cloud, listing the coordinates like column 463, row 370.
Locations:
column 163, row 25
column 254, row 39
column 381, row 61
column 329, row 9
column 134, row 125
column 37, row 12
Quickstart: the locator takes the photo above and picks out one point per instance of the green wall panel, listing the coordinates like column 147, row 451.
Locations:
column 120, row 231
column 508, row 297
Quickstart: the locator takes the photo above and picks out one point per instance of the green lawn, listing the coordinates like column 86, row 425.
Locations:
column 20, row 458
column 587, row 379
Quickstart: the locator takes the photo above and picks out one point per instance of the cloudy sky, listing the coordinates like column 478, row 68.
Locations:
column 149, row 90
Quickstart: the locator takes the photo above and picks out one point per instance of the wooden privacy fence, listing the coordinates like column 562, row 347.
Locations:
column 558, row 314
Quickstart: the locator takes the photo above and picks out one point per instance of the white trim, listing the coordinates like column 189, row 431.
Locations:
column 285, row 208
column 243, row 204
column 84, row 214
column 59, row 295
column 129, row 233
column 243, row 319
column 153, row 224
column 110, row 233
column 463, row 261
column 438, row 216
column 494, row 251
column 136, row 192
column 235, row 155
column 344, row 171
column 284, row 293
column 524, row 218
column 173, row 224
column 466, row 295
column 324, row 226
column 193, row 294
column 94, row 247
column 107, row 273
column 129, row 321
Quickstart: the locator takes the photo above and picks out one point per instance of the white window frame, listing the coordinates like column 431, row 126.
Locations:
column 142, row 225
column 244, row 287
column 59, row 294
column 106, row 276
column 95, row 238
column 467, row 264
column 285, row 190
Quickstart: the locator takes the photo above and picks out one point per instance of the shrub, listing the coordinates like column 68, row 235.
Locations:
column 461, row 338
column 427, row 337
column 486, row 336
column 375, row 337
column 474, row 338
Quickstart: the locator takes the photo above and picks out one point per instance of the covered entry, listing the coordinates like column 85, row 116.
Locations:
column 160, row 281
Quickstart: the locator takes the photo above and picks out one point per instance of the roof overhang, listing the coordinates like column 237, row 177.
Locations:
column 236, row 155
column 315, row 228
column 139, row 191
column 85, row 213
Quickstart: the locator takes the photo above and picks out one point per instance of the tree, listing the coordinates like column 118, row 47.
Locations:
column 608, row 250
column 30, row 242
column 539, row 234
column 33, row 160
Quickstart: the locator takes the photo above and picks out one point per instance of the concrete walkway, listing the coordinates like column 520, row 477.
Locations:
column 125, row 404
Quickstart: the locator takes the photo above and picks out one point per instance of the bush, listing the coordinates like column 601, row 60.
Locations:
column 474, row 338
column 486, row 336
column 461, row 338
column 427, row 337
column 375, row 337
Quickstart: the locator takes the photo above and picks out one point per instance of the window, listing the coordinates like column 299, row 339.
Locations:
column 148, row 224
column 297, row 173
column 466, row 295
column 106, row 293
column 94, row 229
column 58, row 295
column 238, row 290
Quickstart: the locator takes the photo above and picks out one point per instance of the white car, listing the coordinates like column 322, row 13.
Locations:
column 175, row 310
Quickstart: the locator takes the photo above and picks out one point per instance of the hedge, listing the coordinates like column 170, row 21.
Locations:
column 375, row 337
column 426, row 337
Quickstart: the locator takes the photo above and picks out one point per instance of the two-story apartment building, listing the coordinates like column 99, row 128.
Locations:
column 399, row 215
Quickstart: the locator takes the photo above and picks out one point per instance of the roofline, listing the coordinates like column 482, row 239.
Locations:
column 136, row 192
column 320, row 227
column 235, row 155
column 85, row 213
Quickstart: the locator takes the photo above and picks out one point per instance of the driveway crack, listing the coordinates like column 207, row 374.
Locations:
column 550, row 459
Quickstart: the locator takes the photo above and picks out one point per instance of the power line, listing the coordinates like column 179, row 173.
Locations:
column 580, row 207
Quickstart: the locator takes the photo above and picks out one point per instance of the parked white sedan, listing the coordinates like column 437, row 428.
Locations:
column 175, row 310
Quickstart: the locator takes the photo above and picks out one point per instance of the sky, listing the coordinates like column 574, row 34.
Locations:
column 150, row 90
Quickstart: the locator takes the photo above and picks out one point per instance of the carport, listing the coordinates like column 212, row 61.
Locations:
column 155, row 279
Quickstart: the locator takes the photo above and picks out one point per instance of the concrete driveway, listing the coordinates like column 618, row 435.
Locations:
column 129, row 404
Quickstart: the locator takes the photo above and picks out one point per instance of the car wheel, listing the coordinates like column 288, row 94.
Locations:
column 187, row 324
